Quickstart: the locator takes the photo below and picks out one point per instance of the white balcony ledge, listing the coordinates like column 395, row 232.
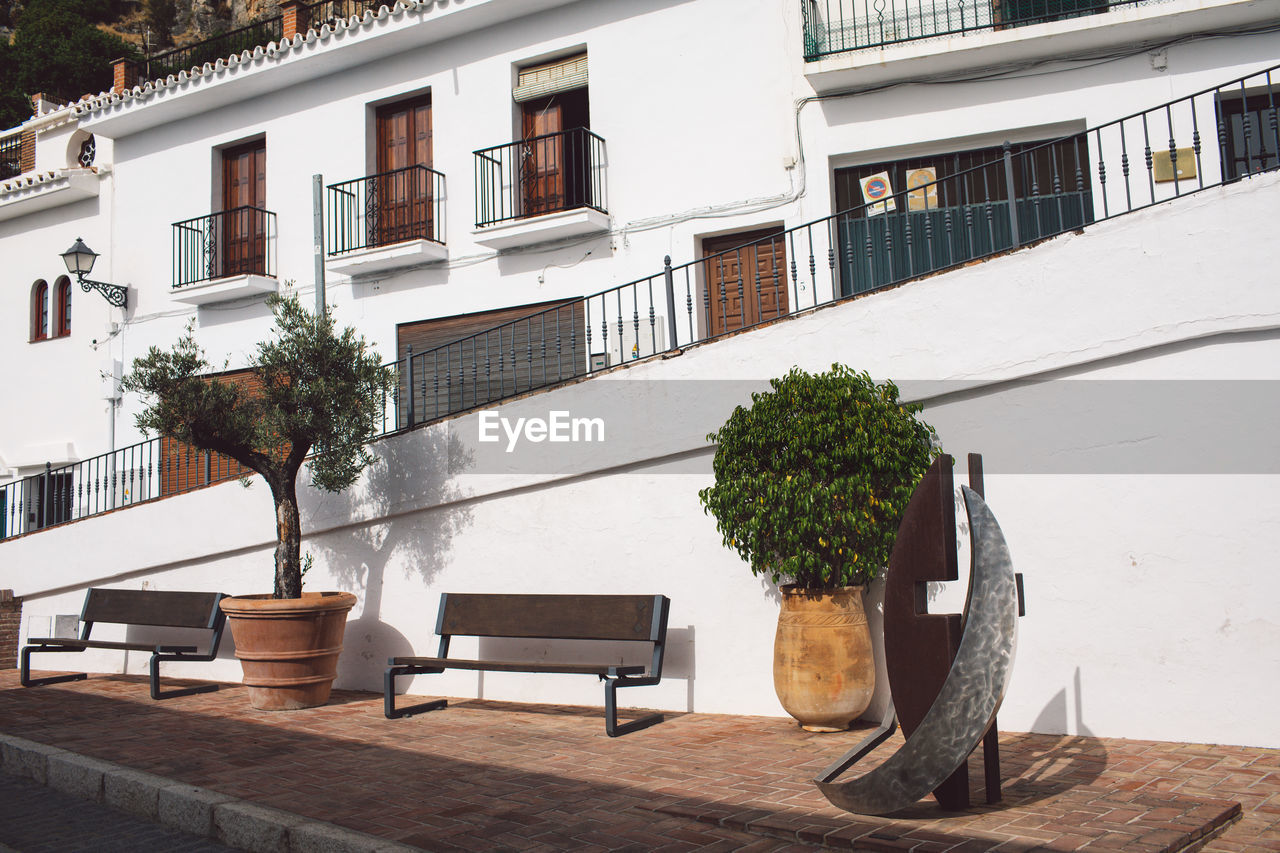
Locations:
column 380, row 259
column 542, row 229
column 224, row 289
column 1119, row 26
column 38, row 191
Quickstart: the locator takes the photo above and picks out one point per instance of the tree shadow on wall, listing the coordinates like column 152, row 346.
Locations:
column 406, row 513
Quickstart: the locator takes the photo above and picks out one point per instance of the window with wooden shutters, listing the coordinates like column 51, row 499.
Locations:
column 555, row 160
column 62, row 302
column 400, row 204
column 39, row 310
column 469, row 360
column 243, row 223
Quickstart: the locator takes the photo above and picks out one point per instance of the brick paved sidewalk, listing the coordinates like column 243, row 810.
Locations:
column 490, row 775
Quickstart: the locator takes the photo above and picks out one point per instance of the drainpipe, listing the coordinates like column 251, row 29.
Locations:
column 317, row 235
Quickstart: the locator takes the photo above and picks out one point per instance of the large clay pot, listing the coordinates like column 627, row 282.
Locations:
column 288, row 647
column 823, row 668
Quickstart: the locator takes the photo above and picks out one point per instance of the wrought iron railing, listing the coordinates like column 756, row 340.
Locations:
column 331, row 10
column 136, row 474
column 836, row 26
column 11, row 154
column 542, row 174
column 212, row 49
column 390, row 207
column 1030, row 193
column 240, row 241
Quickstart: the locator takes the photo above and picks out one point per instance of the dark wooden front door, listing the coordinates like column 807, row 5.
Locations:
column 553, row 167
column 401, row 207
column 244, row 199
column 746, row 284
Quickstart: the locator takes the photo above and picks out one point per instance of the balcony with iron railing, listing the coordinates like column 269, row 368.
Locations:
column 1025, row 195
column 387, row 220
column 541, row 188
column 10, row 154
column 224, row 255
column 833, row 27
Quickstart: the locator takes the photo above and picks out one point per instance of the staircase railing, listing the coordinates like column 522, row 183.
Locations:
column 1213, row 137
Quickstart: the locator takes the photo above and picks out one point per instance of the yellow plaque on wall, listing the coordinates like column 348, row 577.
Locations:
column 1163, row 164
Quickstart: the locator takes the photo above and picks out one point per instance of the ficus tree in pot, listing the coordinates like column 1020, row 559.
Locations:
column 811, row 481
column 316, row 396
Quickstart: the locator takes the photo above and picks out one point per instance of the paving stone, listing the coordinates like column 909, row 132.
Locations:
column 500, row 775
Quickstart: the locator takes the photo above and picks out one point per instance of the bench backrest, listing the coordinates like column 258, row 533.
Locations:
column 153, row 607
column 641, row 618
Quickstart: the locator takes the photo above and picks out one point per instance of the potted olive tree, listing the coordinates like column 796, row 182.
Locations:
column 810, row 484
column 315, row 393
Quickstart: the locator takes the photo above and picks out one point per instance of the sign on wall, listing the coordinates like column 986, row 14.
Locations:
column 876, row 188
column 922, row 189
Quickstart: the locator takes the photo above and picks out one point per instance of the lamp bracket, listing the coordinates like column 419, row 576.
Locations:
column 113, row 293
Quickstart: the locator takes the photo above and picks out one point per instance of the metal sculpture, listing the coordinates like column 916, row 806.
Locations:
column 966, row 705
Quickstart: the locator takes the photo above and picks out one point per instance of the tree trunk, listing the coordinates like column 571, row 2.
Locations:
column 288, row 540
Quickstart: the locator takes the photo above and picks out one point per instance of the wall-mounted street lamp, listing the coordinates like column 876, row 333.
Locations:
column 79, row 260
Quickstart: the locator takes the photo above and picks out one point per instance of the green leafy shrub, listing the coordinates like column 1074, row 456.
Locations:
column 812, row 479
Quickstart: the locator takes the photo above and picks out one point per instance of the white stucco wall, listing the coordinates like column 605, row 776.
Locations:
column 1144, row 538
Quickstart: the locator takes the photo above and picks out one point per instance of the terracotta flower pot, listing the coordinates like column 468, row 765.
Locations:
column 288, row 647
column 823, row 668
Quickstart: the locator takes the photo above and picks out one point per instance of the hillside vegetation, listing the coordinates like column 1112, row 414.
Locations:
column 64, row 48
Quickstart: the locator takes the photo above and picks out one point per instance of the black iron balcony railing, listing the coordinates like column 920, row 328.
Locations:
column 1030, row 193
column 390, row 207
column 837, row 26
column 542, row 174
column 11, row 155
column 240, row 241
column 210, row 50
column 331, row 10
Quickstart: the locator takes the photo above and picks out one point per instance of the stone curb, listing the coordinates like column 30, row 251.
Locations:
column 234, row 822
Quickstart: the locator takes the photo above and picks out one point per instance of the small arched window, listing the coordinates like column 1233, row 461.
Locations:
column 40, row 310
column 62, row 307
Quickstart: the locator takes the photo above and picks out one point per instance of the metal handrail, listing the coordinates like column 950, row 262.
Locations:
column 839, row 26
column 238, row 241
column 386, row 208
column 211, row 49
column 933, row 227
column 539, row 175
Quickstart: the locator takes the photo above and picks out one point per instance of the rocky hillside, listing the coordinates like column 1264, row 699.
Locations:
column 191, row 20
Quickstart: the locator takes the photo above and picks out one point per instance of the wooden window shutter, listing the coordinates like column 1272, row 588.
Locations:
column 183, row 468
column 493, row 364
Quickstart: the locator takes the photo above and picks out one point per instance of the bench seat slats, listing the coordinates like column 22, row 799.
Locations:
column 633, row 619
column 137, row 607
column 70, row 643
column 523, row 666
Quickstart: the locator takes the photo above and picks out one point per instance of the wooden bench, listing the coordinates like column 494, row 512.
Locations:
column 153, row 608
column 630, row 618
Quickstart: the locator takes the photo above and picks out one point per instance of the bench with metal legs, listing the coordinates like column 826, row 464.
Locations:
column 151, row 608
column 625, row 618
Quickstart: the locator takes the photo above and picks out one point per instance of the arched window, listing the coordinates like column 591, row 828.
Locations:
column 62, row 306
column 40, row 310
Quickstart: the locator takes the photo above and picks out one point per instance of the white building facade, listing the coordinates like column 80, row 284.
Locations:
column 499, row 184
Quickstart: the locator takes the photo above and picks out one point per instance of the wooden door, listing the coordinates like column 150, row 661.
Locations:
column 746, row 284
column 542, row 157
column 244, row 198
column 401, row 204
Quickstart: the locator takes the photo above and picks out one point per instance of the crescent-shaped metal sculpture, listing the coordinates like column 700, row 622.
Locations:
column 968, row 700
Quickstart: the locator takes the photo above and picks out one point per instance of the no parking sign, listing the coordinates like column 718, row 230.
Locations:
column 876, row 188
